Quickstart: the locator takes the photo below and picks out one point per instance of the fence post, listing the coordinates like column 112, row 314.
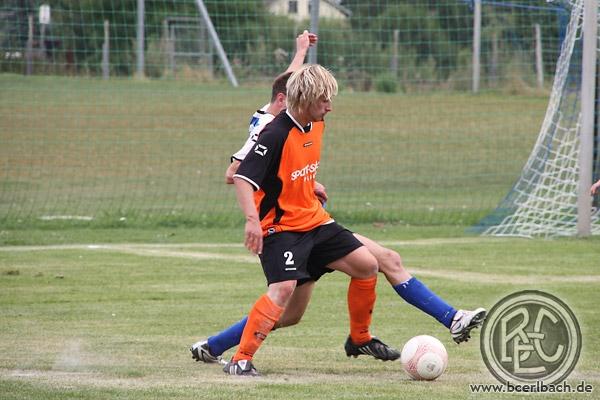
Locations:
column 106, row 51
column 476, row 45
column 314, row 28
column 140, row 38
column 494, row 60
column 539, row 65
column 29, row 48
column 394, row 62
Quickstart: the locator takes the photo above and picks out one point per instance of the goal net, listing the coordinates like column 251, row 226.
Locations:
column 543, row 201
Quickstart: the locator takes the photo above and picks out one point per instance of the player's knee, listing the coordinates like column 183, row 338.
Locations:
column 369, row 267
column 281, row 292
column 390, row 262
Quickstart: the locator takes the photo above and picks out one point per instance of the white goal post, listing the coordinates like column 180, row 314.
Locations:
column 588, row 90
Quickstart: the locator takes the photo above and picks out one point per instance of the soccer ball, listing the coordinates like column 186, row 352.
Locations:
column 424, row 358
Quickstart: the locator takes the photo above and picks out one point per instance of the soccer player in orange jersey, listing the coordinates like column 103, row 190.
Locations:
column 459, row 322
column 286, row 224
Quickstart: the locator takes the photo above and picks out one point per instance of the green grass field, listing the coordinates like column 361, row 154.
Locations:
column 115, row 321
column 107, row 307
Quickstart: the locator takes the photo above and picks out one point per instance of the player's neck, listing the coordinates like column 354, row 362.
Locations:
column 301, row 118
column 273, row 109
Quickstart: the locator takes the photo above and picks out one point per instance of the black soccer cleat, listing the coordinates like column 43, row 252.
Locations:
column 240, row 368
column 373, row 347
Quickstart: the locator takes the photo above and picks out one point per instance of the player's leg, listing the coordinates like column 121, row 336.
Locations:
column 389, row 262
column 361, row 301
column 414, row 292
column 361, row 291
column 297, row 305
column 338, row 249
column 261, row 319
column 281, row 279
column 211, row 349
column 408, row 287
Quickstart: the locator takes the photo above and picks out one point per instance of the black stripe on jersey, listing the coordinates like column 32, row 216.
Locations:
column 270, row 201
column 275, row 132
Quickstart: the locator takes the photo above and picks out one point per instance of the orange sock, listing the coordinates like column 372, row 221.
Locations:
column 261, row 319
column 361, row 300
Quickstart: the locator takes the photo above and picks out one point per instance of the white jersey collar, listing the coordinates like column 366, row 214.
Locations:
column 303, row 129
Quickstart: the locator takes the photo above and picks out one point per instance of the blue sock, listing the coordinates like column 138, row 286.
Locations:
column 227, row 338
column 420, row 296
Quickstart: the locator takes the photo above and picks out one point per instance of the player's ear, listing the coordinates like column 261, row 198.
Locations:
column 281, row 99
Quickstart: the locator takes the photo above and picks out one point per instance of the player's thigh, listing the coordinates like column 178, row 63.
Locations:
column 389, row 261
column 285, row 255
column 378, row 251
column 359, row 263
column 297, row 305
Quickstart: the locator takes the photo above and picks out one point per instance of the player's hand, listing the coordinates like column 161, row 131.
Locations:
column 253, row 236
column 594, row 188
column 305, row 40
column 320, row 192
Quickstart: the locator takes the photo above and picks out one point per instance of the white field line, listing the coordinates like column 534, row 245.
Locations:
column 170, row 250
column 416, row 242
column 242, row 258
column 109, row 245
column 207, row 378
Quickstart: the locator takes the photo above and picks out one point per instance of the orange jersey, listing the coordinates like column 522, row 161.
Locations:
column 282, row 167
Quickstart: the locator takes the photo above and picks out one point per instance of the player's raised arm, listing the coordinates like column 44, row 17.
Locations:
column 303, row 42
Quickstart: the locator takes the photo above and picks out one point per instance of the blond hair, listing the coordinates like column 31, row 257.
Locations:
column 308, row 84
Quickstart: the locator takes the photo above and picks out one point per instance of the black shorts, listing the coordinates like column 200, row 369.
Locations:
column 304, row 256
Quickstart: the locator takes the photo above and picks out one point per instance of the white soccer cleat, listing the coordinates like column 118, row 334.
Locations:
column 464, row 321
column 201, row 352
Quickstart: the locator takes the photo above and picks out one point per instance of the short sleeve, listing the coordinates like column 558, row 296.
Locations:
column 262, row 158
column 253, row 137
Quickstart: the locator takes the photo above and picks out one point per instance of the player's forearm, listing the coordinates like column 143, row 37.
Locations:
column 297, row 61
column 303, row 42
column 245, row 196
column 231, row 170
